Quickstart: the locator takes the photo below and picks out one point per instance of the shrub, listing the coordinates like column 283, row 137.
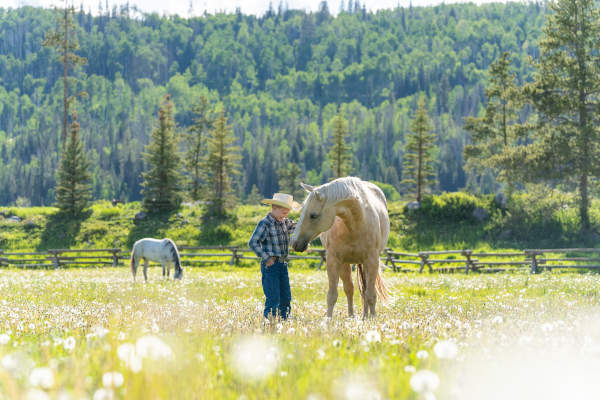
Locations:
column 450, row 207
column 391, row 194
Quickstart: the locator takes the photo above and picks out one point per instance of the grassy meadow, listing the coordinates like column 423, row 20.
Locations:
column 93, row 333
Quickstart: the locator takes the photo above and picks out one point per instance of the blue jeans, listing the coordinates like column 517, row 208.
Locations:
column 276, row 286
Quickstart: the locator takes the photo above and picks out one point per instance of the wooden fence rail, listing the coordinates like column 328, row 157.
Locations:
column 535, row 260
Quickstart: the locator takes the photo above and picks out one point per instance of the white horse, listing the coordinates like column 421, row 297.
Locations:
column 351, row 217
column 163, row 251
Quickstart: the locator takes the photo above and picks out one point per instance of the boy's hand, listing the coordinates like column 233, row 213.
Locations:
column 270, row 262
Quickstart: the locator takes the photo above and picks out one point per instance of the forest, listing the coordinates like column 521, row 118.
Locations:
column 280, row 79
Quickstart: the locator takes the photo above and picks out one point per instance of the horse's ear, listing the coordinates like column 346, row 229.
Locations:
column 306, row 187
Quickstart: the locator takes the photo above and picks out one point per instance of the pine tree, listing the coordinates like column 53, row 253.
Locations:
column 162, row 181
column 73, row 190
column 254, row 197
column 418, row 159
column 220, row 164
column 499, row 128
column 65, row 42
column 195, row 146
column 339, row 153
column 289, row 180
column 566, row 95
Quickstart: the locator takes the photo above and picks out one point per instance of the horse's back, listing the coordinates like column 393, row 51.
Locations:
column 152, row 249
column 376, row 199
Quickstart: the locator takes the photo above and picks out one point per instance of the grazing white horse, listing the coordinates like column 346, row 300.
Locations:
column 163, row 251
column 351, row 217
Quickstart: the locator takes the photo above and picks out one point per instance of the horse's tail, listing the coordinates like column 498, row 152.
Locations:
column 176, row 260
column 380, row 287
column 361, row 280
column 132, row 261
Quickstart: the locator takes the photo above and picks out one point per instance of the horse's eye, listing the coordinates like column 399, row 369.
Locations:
column 314, row 216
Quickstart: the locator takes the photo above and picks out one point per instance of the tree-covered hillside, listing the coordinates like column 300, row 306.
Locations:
column 280, row 79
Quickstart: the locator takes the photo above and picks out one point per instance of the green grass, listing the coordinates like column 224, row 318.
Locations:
column 208, row 341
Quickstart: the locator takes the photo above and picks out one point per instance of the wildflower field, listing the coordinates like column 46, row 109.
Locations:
column 93, row 333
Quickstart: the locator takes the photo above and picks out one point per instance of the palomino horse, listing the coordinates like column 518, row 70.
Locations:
column 352, row 218
column 163, row 251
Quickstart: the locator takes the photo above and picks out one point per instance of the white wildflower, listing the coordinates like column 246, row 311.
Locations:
column 153, row 347
column 129, row 356
column 422, row 354
column 253, row 358
column 104, row 394
column 424, row 381
column 4, row 339
column 42, row 377
column 36, row 394
column 373, row 336
column 69, row 343
column 410, row 369
column 112, row 379
column 445, row 349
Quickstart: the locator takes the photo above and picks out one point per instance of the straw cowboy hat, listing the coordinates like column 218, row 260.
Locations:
column 283, row 200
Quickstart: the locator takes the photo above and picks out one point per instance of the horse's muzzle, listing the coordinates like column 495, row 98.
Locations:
column 300, row 245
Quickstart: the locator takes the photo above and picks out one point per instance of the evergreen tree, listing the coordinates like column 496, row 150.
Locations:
column 73, row 190
column 418, row 157
column 66, row 43
column 498, row 129
column 162, row 181
column 289, row 180
column 195, row 146
column 566, row 95
column 339, row 153
column 221, row 163
column 254, row 197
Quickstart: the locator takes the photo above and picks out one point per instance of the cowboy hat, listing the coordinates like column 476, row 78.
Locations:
column 283, row 200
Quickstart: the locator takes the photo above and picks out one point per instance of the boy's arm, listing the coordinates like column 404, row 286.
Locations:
column 291, row 225
column 257, row 237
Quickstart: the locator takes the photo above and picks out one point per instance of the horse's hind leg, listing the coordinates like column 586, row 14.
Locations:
column 332, row 292
column 372, row 270
column 163, row 268
column 146, row 269
column 346, row 275
column 168, row 268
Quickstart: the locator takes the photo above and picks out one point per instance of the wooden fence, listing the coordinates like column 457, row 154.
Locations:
column 533, row 260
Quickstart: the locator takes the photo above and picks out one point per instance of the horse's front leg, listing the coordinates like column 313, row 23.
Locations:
column 346, row 275
column 146, row 269
column 332, row 292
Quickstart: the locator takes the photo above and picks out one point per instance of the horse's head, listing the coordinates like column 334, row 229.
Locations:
column 317, row 216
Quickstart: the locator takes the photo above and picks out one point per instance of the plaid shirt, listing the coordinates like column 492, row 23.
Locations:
column 271, row 237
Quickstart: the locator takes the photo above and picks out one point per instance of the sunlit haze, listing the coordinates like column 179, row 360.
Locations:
column 197, row 7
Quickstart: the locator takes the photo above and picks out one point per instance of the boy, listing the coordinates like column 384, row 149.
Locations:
column 270, row 242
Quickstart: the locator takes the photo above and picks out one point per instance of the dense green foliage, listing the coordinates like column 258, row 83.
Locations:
column 281, row 79
column 541, row 218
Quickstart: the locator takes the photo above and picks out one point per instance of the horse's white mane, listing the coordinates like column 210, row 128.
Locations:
column 341, row 189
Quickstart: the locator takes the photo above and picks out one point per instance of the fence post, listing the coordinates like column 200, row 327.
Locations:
column 468, row 263
column 534, row 264
column 323, row 254
column 115, row 257
column 389, row 258
column 424, row 258
column 55, row 261
column 234, row 259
